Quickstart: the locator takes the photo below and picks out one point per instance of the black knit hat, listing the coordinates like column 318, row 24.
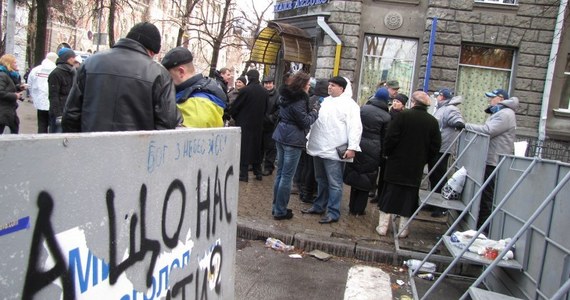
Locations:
column 340, row 81
column 177, row 56
column 147, row 34
column 402, row 98
column 252, row 75
column 242, row 79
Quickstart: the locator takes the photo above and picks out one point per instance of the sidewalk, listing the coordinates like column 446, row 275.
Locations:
column 351, row 236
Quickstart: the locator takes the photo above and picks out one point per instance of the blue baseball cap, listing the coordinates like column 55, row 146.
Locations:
column 498, row 93
column 446, row 93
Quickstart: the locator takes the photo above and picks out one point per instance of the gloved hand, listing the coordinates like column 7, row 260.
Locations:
column 317, row 106
column 459, row 125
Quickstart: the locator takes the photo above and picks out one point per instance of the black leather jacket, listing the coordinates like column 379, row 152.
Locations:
column 121, row 89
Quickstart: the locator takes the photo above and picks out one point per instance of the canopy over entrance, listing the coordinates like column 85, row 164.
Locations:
column 296, row 44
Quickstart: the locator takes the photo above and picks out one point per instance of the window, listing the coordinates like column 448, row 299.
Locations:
column 482, row 69
column 383, row 59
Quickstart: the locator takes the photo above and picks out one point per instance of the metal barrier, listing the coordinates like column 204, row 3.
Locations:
column 544, row 250
column 530, row 207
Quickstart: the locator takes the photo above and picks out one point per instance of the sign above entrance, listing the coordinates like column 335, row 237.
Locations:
column 288, row 5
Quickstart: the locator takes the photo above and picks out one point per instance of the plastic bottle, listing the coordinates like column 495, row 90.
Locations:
column 277, row 244
column 414, row 264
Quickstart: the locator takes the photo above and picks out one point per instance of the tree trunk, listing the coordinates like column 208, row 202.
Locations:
column 31, row 35
column 218, row 40
column 41, row 28
column 180, row 40
column 111, row 23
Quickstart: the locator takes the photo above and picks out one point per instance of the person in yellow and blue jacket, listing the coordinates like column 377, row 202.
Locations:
column 200, row 99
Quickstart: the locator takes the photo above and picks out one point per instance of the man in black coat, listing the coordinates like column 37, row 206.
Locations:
column 269, row 123
column 123, row 88
column 60, row 81
column 248, row 110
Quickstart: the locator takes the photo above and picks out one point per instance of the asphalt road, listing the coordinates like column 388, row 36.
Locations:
column 264, row 273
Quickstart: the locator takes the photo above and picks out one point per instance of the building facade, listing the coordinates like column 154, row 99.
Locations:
column 82, row 25
column 521, row 46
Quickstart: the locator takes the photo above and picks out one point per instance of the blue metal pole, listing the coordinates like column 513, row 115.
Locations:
column 430, row 53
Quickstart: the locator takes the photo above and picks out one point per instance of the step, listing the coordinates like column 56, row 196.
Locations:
column 481, row 294
column 437, row 200
column 478, row 259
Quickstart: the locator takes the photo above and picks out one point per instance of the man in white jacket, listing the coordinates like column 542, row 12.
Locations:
column 338, row 124
column 39, row 90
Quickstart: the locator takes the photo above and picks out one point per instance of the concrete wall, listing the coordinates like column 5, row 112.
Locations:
column 119, row 215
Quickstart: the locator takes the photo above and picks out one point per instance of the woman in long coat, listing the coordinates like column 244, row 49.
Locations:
column 412, row 139
column 361, row 174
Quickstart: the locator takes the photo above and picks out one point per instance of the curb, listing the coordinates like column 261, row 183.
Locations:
column 364, row 250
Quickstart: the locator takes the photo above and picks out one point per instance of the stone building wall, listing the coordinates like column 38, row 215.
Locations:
column 527, row 28
column 345, row 20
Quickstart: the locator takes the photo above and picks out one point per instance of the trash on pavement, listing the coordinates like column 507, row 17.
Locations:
column 481, row 244
column 320, row 255
column 277, row 244
column 427, row 276
column 414, row 264
column 400, row 282
column 295, row 256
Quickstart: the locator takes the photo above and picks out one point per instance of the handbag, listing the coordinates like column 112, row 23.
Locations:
column 341, row 150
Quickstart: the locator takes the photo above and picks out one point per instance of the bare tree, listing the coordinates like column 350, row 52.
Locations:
column 212, row 29
column 184, row 9
column 252, row 21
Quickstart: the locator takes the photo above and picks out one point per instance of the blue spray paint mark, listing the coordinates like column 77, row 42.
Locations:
column 21, row 224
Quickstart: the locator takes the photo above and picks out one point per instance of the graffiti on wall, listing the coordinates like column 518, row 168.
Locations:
column 175, row 239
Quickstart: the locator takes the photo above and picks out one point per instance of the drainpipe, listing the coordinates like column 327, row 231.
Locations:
column 321, row 22
column 430, row 53
column 550, row 75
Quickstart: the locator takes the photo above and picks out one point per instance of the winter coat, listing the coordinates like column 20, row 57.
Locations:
column 295, row 118
column 248, row 111
column 60, row 81
column 448, row 116
column 363, row 172
column 38, row 84
column 232, row 95
column 201, row 101
column 412, row 139
column 501, row 129
column 338, row 124
column 8, row 101
column 121, row 89
column 272, row 113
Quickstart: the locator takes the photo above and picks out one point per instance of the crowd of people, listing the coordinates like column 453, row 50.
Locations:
column 310, row 132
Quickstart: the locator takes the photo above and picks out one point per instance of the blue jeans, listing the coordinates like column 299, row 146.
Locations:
column 287, row 160
column 328, row 174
